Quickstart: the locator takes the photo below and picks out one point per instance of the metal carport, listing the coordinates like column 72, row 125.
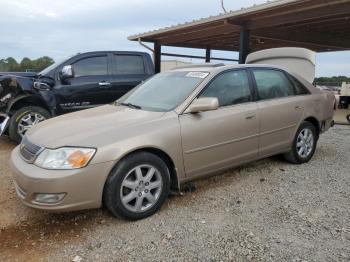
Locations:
column 319, row 25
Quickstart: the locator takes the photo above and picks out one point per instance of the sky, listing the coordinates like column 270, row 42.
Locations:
column 61, row 28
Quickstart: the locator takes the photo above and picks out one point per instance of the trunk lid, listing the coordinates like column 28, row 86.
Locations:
column 296, row 60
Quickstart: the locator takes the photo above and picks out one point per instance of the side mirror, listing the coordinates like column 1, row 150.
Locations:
column 203, row 104
column 67, row 72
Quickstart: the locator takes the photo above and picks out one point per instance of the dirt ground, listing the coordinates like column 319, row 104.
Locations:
column 268, row 210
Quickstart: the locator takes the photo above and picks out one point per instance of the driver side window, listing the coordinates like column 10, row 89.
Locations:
column 230, row 88
column 91, row 66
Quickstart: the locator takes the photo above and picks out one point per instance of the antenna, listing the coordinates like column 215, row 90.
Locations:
column 222, row 5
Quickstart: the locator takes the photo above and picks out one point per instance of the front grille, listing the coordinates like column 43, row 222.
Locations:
column 28, row 150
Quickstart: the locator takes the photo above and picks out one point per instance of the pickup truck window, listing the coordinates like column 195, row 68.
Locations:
column 53, row 66
column 129, row 64
column 91, row 66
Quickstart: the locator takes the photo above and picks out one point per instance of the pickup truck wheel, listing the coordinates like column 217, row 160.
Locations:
column 24, row 119
column 137, row 187
column 304, row 144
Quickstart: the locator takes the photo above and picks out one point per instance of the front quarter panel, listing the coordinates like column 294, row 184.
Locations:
column 11, row 87
column 162, row 133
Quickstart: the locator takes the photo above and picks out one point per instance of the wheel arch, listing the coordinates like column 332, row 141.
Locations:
column 316, row 124
column 174, row 179
column 27, row 100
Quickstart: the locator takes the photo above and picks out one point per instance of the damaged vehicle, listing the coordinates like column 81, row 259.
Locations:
column 177, row 126
column 83, row 81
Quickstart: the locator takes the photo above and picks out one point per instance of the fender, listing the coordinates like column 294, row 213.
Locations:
column 15, row 100
column 31, row 98
column 12, row 88
column 28, row 98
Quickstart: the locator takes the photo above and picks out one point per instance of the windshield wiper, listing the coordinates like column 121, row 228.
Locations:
column 130, row 105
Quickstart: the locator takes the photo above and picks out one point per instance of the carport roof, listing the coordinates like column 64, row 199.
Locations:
column 320, row 25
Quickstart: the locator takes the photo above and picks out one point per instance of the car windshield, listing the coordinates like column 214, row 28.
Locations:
column 49, row 68
column 164, row 91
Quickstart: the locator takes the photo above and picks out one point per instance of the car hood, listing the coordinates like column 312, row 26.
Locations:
column 89, row 128
column 21, row 74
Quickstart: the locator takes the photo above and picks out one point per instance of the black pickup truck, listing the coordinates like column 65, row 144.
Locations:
column 83, row 81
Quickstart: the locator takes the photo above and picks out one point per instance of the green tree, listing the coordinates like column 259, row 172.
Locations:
column 10, row 64
column 331, row 81
column 25, row 64
column 3, row 65
column 42, row 62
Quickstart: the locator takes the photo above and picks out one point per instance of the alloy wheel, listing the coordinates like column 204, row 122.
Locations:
column 141, row 188
column 305, row 142
column 28, row 121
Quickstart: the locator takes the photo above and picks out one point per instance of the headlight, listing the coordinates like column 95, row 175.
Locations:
column 65, row 158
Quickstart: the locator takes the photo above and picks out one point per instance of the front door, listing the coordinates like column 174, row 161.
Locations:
column 221, row 138
column 88, row 88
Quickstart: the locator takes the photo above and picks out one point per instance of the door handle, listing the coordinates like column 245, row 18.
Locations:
column 298, row 107
column 104, row 84
column 250, row 116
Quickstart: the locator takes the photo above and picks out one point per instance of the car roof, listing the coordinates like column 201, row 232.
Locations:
column 111, row 51
column 215, row 68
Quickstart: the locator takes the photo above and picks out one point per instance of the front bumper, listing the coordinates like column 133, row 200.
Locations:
column 4, row 121
column 83, row 187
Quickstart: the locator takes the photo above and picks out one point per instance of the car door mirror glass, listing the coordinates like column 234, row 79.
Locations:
column 203, row 104
column 67, row 72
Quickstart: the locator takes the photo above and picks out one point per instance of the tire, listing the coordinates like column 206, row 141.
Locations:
column 126, row 182
column 348, row 118
column 39, row 114
column 294, row 156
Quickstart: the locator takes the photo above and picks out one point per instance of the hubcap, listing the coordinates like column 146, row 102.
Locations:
column 305, row 142
column 28, row 121
column 141, row 188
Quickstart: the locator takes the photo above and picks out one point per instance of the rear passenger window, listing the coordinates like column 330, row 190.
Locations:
column 91, row 66
column 230, row 88
column 300, row 89
column 272, row 84
column 129, row 64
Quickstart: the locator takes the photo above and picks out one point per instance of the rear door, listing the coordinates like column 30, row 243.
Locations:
column 280, row 110
column 218, row 139
column 129, row 70
column 89, row 86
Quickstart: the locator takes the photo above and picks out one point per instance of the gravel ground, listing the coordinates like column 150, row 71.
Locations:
column 264, row 211
column 340, row 116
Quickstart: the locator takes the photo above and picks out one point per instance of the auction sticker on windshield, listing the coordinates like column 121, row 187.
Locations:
column 197, row 74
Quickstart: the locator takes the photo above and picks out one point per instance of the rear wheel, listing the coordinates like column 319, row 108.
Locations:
column 25, row 118
column 304, row 144
column 137, row 187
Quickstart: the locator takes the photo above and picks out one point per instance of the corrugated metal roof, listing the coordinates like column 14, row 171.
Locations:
column 221, row 16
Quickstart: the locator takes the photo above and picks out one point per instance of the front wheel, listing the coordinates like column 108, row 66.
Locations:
column 137, row 187
column 25, row 118
column 304, row 144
